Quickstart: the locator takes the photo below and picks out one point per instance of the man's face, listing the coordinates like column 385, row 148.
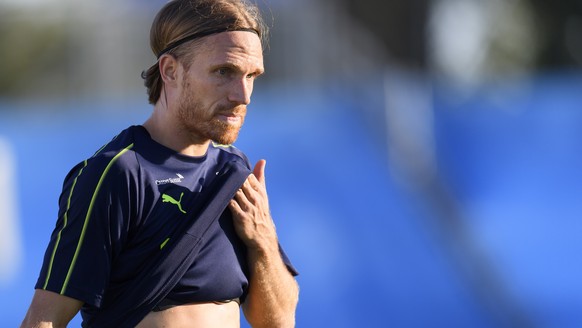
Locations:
column 217, row 87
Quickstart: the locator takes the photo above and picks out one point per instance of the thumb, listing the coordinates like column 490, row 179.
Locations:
column 259, row 171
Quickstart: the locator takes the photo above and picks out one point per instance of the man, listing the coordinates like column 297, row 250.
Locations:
column 123, row 211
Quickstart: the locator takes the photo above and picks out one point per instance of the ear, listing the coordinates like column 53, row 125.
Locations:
column 168, row 66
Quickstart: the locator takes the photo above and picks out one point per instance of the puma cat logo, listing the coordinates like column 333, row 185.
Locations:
column 170, row 199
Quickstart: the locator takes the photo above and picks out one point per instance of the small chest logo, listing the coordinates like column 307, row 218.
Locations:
column 170, row 180
column 171, row 200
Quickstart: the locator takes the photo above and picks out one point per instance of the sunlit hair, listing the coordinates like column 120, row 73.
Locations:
column 180, row 19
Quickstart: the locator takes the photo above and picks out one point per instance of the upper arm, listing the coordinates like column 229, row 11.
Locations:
column 49, row 309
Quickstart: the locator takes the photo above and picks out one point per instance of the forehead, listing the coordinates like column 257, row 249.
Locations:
column 238, row 48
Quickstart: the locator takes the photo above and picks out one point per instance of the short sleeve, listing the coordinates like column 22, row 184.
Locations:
column 94, row 208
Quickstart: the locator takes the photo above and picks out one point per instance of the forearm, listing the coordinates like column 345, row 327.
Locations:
column 28, row 323
column 273, row 291
column 50, row 310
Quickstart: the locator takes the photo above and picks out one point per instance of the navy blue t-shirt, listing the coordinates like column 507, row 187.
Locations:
column 119, row 207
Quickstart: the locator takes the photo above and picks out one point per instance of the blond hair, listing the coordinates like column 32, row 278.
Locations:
column 181, row 22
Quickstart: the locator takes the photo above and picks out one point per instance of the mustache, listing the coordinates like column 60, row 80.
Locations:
column 238, row 110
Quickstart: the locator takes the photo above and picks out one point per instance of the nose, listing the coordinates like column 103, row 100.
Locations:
column 240, row 91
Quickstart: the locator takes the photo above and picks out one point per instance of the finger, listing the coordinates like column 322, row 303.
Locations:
column 252, row 184
column 235, row 207
column 259, row 171
column 242, row 197
column 245, row 193
column 237, row 203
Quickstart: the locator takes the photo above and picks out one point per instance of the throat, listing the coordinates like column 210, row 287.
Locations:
column 177, row 139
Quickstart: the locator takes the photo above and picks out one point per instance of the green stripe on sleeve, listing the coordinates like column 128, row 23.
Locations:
column 88, row 216
column 66, row 218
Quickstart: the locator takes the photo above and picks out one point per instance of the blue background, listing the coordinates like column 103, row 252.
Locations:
column 494, row 242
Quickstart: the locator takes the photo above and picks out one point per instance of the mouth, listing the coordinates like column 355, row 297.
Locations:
column 229, row 118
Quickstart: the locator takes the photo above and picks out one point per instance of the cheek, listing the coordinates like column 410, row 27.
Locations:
column 204, row 99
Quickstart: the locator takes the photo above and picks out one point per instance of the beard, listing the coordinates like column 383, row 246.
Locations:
column 203, row 123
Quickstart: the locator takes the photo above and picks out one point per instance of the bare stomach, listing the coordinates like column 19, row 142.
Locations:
column 200, row 315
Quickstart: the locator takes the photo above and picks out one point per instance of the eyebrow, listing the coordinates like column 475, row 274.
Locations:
column 236, row 67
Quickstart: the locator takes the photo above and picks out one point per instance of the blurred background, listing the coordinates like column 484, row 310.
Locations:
column 423, row 156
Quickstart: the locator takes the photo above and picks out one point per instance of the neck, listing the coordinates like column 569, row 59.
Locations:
column 170, row 134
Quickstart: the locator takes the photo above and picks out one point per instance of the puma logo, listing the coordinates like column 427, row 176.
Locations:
column 170, row 199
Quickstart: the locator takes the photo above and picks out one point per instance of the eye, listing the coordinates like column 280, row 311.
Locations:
column 224, row 71
column 253, row 75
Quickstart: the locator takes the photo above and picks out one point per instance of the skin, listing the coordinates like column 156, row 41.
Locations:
column 204, row 103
